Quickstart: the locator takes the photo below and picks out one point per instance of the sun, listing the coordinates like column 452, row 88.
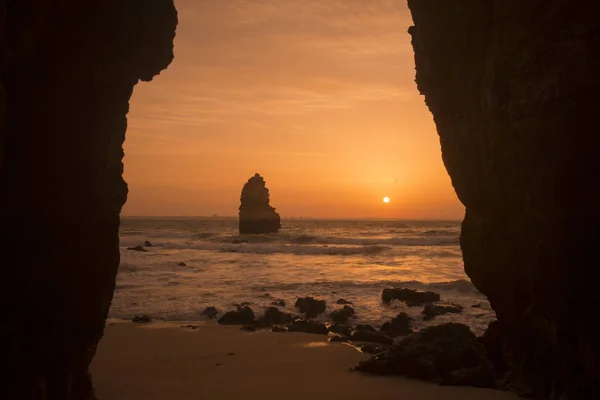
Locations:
column 386, row 199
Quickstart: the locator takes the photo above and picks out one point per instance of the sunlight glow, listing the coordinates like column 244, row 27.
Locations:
column 386, row 199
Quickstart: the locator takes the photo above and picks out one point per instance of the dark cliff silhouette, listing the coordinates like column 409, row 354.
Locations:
column 513, row 87
column 68, row 71
column 256, row 214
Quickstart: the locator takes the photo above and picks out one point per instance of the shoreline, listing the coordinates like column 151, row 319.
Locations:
column 162, row 360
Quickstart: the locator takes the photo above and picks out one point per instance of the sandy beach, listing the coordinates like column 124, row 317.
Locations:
column 161, row 361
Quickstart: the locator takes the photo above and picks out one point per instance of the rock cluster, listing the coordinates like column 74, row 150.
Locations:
column 274, row 316
column 447, row 354
column 310, row 306
column 398, row 326
column 366, row 333
column 256, row 214
column 242, row 316
column 308, row 327
column 342, row 315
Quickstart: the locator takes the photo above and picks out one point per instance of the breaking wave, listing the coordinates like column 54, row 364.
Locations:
column 267, row 248
column 431, row 240
column 459, row 285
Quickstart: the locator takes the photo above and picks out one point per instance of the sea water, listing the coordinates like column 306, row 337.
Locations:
column 354, row 260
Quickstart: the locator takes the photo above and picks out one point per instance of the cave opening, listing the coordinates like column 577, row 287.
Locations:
column 512, row 88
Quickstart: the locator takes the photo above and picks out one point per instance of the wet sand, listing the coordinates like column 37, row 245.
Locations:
column 158, row 361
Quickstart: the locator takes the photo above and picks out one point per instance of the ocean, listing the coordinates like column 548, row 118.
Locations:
column 354, row 260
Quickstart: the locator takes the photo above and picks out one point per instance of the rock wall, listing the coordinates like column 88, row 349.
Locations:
column 513, row 87
column 68, row 68
column 256, row 214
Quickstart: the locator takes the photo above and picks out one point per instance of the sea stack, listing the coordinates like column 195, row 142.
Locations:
column 256, row 214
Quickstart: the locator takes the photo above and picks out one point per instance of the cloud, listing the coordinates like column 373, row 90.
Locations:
column 247, row 62
column 291, row 88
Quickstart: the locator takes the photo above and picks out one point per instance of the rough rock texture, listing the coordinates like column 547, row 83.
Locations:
column 432, row 310
column 342, row 315
column 493, row 343
column 242, row 316
column 364, row 334
column 274, row 316
column 210, row 312
column 398, row 326
column 308, row 327
column 310, row 306
column 68, row 69
column 448, row 354
column 411, row 297
column 256, row 214
column 344, row 330
column 513, row 87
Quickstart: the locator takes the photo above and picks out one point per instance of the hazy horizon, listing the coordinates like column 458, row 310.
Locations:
column 317, row 96
column 292, row 217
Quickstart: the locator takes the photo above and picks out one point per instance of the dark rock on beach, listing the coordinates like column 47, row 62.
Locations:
column 308, row 327
column 248, row 328
column 342, row 315
column 241, row 316
column 310, row 307
column 398, row 326
column 432, row 310
column 147, row 244
column 256, row 214
column 210, row 312
column 137, row 248
column 274, row 316
column 371, row 336
column 409, row 296
column 343, row 330
column 182, row 264
column 343, row 301
column 365, row 327
column 512, row 86
column 448, row 353
column 278, row 329
column 372, row 348
column 339, row 339
column 262, row 323
column 141, row 319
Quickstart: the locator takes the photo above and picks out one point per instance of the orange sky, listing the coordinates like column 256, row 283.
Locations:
column 318, row 96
